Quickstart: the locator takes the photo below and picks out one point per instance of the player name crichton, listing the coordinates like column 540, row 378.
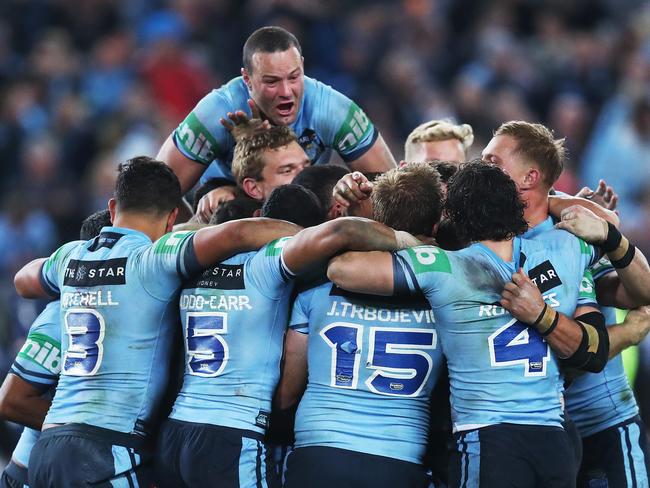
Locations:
column 367, row 312
column 88, row 299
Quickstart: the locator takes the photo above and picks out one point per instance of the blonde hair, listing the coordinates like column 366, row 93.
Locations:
column 537, row 144
column 247, row 161
column 439, row 130
column 408, row 198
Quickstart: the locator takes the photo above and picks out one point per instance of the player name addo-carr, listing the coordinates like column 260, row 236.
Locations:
column 95, row 273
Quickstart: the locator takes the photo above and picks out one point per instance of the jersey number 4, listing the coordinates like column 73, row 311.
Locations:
column 398, row 357
column 516, row 343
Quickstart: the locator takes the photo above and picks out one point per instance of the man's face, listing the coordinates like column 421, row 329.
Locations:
column 276, row 84
column 448, row 150
column 281, row 166
column 502, row 151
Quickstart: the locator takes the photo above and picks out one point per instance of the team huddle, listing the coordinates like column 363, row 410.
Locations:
column 434, row 323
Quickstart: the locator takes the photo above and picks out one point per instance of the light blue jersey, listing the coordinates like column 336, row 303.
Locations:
column 597, row 401
column 38, row 363
column 373, row 362
column 500, row 370
column 327, row 120
column 234, row 318
column 118, row 313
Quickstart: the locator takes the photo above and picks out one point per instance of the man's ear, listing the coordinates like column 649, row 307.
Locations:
column 171, row 219
column 246, row 76
column 252, row 188
column 532, row 179
column 335, row 211
column 111, row 208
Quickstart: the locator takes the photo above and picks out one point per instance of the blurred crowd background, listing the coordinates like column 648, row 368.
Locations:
column 85, row 85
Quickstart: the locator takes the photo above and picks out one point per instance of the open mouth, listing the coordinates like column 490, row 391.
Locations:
column 285, row 108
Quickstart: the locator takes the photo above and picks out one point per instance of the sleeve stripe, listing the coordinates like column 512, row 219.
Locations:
column 50, row 288
column 287, row 274
column 357, row 153
column 20, row 371
column 302, row 328
column 185, row 153
column 187, row 263
column 588, row 304
column 400, row 281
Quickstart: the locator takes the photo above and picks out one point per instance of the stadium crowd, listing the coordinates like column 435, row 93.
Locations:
column 82, row 97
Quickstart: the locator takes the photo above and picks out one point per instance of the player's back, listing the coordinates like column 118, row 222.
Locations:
column 372, row 363
column 117, row 319
column 501, row 370
column 234, row 316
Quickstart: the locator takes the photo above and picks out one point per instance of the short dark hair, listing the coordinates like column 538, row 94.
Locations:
column 269, row 39
column 146, row 185
column 321, row 180
column 235, row 209
column 483, row 203
column 445, row 169
column 408, row 198
column 92, row 225
column 207, row 187
column 295, row 204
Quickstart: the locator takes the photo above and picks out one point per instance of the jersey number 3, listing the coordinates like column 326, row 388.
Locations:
column 85, row 330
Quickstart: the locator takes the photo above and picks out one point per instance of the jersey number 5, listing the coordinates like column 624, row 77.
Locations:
column 207, row 350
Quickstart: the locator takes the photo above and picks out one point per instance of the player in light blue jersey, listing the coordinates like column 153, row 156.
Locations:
column 372, row 364
column 118, row 313
column 26, row 392
column 603, row 407
column 273, row 77
column 505, row 382
column 234, row 317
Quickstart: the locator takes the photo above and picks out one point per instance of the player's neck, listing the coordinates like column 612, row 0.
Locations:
column 536, row 210
column 503, row 249
column 154, row 228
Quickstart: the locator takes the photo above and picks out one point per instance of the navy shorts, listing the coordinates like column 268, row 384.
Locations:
column 13, row 476
column 79, row 455
column 198, row 455
column 616, row 457
column 330, row 467
column 513, row 456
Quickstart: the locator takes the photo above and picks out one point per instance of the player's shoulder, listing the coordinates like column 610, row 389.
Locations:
column 48, row 321
column 230, row 96
column 428, row 259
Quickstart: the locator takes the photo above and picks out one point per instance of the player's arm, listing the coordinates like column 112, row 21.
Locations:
column 315, row 245
column 558, row 203
column 363, row 272
column 629, row 287
column 216, row 243
column 581, row 342
column 294, row 370
column 376, row 159
column 630, row 332
column 28, row 281
column 22, row 403
column 187, row 171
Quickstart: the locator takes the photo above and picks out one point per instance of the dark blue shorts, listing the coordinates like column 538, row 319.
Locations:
column 79, row 455
column 329, row 467
column 513, row 456
column 198, row 455
column 616, row 457
column 13, row 476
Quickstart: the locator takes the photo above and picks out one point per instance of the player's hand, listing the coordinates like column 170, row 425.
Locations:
column 522, row 298
column 583, row 223
column 211, row 201
column 240, row 125
column 637, row 323
column 353, row 188
column 605, row 196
